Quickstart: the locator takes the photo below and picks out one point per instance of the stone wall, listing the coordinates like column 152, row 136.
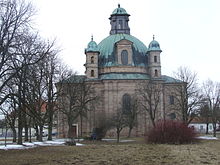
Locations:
column 110, row 93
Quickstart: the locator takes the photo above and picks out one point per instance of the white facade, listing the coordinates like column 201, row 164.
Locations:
column 201, row 127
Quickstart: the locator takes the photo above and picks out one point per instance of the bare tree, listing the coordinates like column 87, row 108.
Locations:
column 15, row 17
column 9, row 110
column 188, row 98
column 150, row 93
column 132, row 113
column 86, row 98
column 75, row 99
column 52, row 76
column 119, row 121
column 211, row 92
column 205, row 114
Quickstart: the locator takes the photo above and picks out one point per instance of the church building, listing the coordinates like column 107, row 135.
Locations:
column 115, row 67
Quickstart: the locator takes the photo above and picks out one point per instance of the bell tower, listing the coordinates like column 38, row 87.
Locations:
column 154, row 63
column 92, row 55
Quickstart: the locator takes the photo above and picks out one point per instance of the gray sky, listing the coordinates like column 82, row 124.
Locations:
column 188, row 30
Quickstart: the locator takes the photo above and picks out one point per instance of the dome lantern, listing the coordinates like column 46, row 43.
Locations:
column 119, row 21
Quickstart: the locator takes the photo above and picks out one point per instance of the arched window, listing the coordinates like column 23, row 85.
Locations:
column 92, row 59
column 156, row 73
column 92, row 73
column 155, row 58
column 124, row 57
column 126, row 103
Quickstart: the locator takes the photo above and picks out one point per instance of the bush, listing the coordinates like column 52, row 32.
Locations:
column 98, row 134
column 70, row 142
column 171, row 132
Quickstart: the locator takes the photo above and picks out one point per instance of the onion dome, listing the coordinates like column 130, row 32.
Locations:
column 92, row 46
column 154, row 46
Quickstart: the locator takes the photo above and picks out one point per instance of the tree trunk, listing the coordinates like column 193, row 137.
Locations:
column 118, row 135
column 14, row 134
column 37, row 132
column 129, row 132
column 153, row 122
column 25, row 128
column 30, row 133
column 50, row 127
column 6, row 131
column 214, row 129
column 81, row 125
column 20, row 127
column 41, row 133
column 70, row 134
column 207, row 129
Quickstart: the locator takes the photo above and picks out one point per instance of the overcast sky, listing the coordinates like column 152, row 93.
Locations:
column 188, row 30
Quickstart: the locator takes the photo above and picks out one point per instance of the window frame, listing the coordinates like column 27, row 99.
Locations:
column 124, row 57
column 92, row 73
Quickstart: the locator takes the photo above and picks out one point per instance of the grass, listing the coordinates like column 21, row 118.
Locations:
column 111, row 153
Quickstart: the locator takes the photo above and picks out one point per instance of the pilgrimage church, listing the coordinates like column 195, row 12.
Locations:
column 115, row 67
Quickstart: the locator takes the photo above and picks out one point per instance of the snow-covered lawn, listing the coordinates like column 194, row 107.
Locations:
column 123, row 141
column 207, row 137
column 28, row 145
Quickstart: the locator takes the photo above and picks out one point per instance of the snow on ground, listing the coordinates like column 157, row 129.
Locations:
column 116, row 140
column 58, row 142
column 13, row 146
column 27, row 145
column 207, row 137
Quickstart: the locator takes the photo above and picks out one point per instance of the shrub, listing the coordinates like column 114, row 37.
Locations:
column 70, row 142
column 171, row 132
column 102, row 126
column 98, row 133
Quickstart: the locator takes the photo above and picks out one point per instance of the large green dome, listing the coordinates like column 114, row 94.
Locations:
column 107, row 50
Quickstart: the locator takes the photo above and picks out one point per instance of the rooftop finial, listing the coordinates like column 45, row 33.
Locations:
column 119, row 5
column 153, row 37
column 92, row 37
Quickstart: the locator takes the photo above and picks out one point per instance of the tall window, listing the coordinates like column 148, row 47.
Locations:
column 155, row 58
column 120, row 24
column 92, row 73
column 126, row 103
column 124, row 57
column 156, row 73
column 92, row 59
column 171, row 100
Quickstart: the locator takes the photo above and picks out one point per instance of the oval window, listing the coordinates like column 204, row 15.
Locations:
column 124, row 57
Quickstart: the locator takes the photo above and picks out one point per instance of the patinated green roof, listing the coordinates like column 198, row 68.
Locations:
column 120, row 76
column 75, row 79
column 119, row 11
column 92, row 46
column 124, row 76
column 168, row 79
column 107, row 50
column 154, row 46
